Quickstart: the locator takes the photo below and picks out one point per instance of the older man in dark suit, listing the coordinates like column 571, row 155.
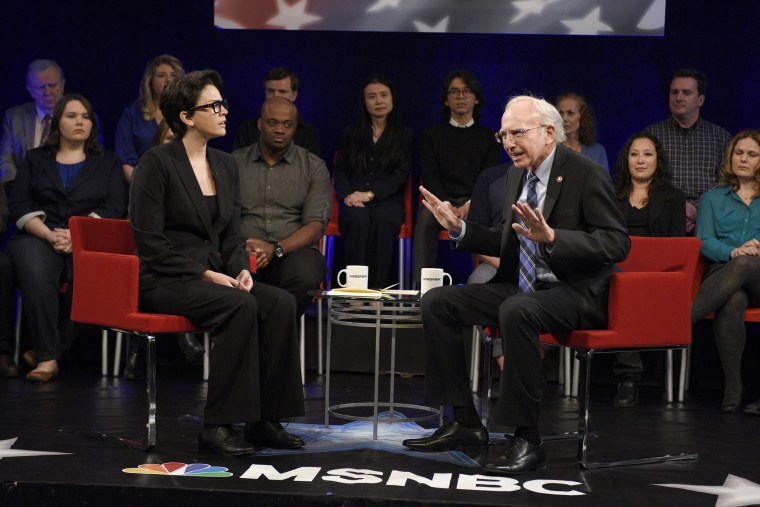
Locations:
column 26, row 126
column 556, row 259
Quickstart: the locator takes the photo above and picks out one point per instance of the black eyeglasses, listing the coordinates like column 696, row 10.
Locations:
column 215, row 106
column 456, row 92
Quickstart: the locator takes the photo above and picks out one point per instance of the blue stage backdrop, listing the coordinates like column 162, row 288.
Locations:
column 103, row 47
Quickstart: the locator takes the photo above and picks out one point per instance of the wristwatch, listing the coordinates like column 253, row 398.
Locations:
column 278, row 251
column 370, row 194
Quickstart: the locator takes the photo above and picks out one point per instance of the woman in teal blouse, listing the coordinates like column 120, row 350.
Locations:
column 728, row 224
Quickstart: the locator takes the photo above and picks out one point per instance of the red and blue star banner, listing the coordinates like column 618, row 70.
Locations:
column 557, row 17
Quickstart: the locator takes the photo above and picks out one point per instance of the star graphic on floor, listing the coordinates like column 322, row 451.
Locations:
column 735, row 491
column 439, row 27
column 7, row 452
column 590, row 25
column 292, row 17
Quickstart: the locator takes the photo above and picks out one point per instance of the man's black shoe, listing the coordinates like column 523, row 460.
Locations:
column 521, row 456
column 269, row 433
column 223, row 440
column 627, row 394
column 447, row 438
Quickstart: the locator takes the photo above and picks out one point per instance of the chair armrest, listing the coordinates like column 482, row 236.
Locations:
column 650, row 309
column 106, row 288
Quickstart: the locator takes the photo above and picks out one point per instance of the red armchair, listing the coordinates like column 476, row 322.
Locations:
column 106, row 293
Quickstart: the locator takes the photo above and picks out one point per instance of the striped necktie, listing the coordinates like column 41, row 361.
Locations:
column 45, row 129
column 528, row 250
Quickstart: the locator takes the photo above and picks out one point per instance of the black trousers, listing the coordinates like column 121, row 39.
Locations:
column 298, row 273
column 521, row 318
column 370, row 237
column 7, row 305
column 255, row 368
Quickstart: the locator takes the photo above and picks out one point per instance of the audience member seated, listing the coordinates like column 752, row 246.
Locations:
column 651, row 206
column 694, row 147
column 185, row 215
column 139, row 122
column 728, row 226
column 452, row 155
column 580, row 128
column 27, row 126
column 371, row 169
column 69, row 175
column 280, row 82
column 285, row 199
column 8, row 366
column 163, row 134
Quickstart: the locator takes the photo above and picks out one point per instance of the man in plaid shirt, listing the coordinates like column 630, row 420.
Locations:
column 695, row 147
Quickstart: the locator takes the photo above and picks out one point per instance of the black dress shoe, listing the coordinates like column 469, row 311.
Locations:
column 270, row 433
column 627, row 394
column 134, row 368
column 521, row 457
column 8, row 367
column 223, row 440
column 190, row 347
column 447, row 438
column 752, row 408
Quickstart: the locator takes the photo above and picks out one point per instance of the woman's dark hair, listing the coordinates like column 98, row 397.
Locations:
column 727, row 176
column 361, row 132
column 158, row 137
column 92, row 144
column 587, row 125
column 472, row 83
column 661, row 180
column 182, row 95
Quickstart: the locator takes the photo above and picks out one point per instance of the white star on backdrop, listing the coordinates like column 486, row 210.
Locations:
column 292, row 17
column 735, row 492
column 528, row 7
column 441, row 27
column 590, row 25
column 7, row 452
column 654, row 17
column 381, row 4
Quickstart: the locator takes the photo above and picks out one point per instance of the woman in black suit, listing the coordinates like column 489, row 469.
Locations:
column 371, row 169
column 185, row 214
column 651, row 206
column 71, row 175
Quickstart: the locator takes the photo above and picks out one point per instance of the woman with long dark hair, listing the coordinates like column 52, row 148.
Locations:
column 371, row 169
column 651, row 206
column 71, row 175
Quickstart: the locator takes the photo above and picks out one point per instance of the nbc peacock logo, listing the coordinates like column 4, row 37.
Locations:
column 184, row 469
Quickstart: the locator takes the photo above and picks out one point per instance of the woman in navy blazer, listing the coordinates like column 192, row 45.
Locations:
column 651, row 206
column 71, row 175
column 185, row 214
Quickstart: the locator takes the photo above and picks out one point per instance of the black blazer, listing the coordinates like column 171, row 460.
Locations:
column 667, row 213
column 100, row 188
column 176, row 239
column 590, row 235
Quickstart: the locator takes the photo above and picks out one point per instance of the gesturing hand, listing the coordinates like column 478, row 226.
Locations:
column 536, row 229
column 442, row 212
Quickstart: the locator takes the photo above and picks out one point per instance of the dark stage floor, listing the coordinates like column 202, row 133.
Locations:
column 362, row 472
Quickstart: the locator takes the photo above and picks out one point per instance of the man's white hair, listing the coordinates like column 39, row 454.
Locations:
column 547, row 114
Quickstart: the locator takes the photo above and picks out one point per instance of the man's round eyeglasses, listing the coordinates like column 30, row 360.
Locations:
column 515, row 135
column 456, row 92
column 215, row 106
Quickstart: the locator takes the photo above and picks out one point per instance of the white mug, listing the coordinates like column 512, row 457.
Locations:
column 356, row 277
column 431, row 278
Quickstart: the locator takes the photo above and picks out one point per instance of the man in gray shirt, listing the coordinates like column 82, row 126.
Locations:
column 285, row 203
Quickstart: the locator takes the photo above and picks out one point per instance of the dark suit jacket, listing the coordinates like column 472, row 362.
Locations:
column 667, row 213
column 17, row 138
column 176, row 239
column 590, row 234
column 100, row 188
